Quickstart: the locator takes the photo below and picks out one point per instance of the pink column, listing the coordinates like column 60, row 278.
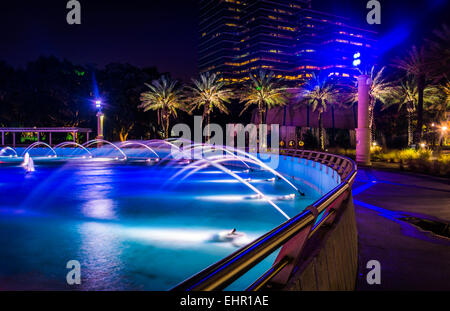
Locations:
column 100, row 125
column 363, row 130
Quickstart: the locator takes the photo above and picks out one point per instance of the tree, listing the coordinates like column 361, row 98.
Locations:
column 407, row 94
column 441, row 106
column 380, row 91
column 208, row 92
column 121, row 86
column 319, row 92
column 438, row 53
column 264, row 91
column 416, row 64
column 164, row 96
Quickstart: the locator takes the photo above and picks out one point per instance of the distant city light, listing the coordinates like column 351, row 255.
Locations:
column 98, row 103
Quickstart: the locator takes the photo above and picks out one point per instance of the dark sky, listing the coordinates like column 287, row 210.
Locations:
column 164, row 32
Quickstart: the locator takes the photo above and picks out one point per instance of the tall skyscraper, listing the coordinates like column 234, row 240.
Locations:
column 284, row 36
column 220, row 27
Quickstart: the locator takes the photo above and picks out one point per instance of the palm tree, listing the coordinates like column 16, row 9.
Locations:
column 208, row 92
column 416, row 65
column 319, row 92
column 439, row 53
column 165, row 97
column 380, row 91
column 407, row 94
column 443, row 105
column 265, row 91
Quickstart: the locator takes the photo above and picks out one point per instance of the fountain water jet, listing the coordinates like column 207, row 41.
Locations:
column 96, row 141
column 72, row 143
column 130, row 142
column 38, row 143
column 3, row 150
column 246, row 183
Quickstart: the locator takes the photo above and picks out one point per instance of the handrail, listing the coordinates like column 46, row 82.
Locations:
column 222, row 273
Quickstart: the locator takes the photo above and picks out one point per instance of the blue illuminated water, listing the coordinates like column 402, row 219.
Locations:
column 128, row 227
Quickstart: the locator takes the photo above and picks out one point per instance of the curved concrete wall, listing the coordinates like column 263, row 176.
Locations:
column 329, row 260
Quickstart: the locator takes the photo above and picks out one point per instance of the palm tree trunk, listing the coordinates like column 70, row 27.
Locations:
column 321, row 142
column 420, row 90
column 410, row 129
column 307, row 115
column 261, row 115
column 333, row 129
column 371, row 121
column 265, row 114
column 166, row 131
column 208, row 122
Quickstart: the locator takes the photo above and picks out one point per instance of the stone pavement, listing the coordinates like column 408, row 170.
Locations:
column 410, row 258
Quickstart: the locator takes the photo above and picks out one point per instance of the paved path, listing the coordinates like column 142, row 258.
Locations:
column 410, row 258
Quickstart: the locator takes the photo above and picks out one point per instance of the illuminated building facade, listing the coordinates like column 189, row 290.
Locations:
column 284, row 36
column 220, row 28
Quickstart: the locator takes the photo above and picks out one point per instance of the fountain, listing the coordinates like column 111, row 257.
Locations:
column 38, row 143
column 4, row 150
column 136, row 143
column 176, row 206
column 28, row 163
column 102, row 141
column 72, row 143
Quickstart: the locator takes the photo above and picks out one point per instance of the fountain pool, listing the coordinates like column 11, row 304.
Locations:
column 129, row 223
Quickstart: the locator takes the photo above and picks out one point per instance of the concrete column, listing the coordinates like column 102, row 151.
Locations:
column 50, row 138
column 87, row 136
column 73, row 136
column 38, row 137
column 14, row 140
column 3, row 138
column 100, row 117
column 363, row 130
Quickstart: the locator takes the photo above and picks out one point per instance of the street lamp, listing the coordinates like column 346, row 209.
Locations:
column 100, row 117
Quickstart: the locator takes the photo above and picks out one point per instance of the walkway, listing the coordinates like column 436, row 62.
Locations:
column 410, row 258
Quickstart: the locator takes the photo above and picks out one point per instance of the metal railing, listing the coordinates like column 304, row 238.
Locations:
column 296, row 230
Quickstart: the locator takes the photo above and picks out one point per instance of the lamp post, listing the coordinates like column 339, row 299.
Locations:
column 100, row 117
column 363, row 130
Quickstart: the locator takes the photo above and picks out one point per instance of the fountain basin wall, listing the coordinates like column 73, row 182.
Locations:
column 330, row 259
column 315, row 175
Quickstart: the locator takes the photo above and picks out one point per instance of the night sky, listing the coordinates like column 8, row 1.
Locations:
column 163, row 33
